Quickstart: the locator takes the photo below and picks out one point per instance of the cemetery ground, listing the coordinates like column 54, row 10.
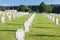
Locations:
column 9, row 28
column 43, row 29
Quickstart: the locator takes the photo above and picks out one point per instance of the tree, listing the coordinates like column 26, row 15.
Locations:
column 43, row 7
column 24, row 8
column 50, row 8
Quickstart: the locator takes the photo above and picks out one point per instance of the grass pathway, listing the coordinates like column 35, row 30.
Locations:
column 43, row 29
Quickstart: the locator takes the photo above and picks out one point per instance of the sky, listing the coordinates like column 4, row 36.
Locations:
column 27, row 2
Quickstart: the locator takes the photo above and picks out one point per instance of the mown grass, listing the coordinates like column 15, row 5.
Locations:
column 43, row 29
column 8, row 29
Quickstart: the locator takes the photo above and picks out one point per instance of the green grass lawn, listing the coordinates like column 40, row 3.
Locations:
column 8, row 29
column 43, row 29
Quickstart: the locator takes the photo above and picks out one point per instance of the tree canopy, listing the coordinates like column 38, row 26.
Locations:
column 43, row 7
column 24, row 8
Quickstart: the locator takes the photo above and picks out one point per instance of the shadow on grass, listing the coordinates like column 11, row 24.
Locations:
column 43, row 23
column 46, row 27
column 13, row 24
column 8, row 30
column 45, row 35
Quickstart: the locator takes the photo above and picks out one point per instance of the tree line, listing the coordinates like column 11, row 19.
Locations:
column 40, row 8
column 37, row 8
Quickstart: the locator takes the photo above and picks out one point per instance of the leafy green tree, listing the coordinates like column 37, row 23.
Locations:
column 24, row 8
column 43, row 7
column 50, row 8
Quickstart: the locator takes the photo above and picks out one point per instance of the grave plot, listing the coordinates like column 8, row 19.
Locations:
column 43, row 29
column 53, row 18
column 57, row 17
column 8, row 29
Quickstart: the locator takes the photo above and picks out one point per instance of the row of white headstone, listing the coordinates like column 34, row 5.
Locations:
column 20, row 33
column 29, row 22
column 55, row 20
column 55, row 14
column 11, row 15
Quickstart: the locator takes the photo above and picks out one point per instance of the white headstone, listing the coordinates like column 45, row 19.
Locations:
column 50, row 17
column 17, row 15
column 59, row 15
column 3, row 13
column 53, row 19
column 26, row 27
column 9, row 17
column 2, row 19
column 7, row 13
column 0, row 12
column 20, row 39
column 56, row 21
column 13, row 16
column 20, row 34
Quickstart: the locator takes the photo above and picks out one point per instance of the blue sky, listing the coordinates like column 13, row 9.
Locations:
column 27, row 2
